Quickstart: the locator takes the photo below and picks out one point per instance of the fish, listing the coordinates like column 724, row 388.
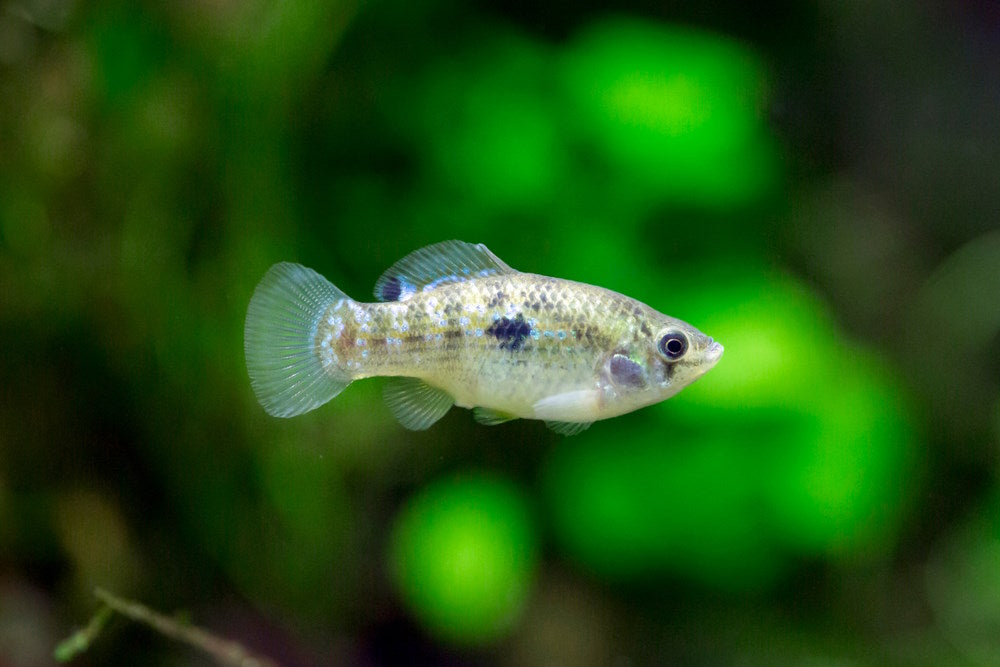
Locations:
column 453, row 324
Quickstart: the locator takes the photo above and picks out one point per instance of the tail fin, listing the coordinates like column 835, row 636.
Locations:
column 287, row 375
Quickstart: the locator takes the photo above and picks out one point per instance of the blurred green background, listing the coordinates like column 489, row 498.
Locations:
column 815, row 184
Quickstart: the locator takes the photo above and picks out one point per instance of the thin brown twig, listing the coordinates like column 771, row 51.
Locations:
column 225, row 651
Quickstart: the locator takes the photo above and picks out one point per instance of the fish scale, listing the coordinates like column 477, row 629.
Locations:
column 458, row 355
column 456, row 325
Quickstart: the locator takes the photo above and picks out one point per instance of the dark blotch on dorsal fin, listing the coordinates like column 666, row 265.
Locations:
column 510, row 332
column 439, row 264
column 390, row 290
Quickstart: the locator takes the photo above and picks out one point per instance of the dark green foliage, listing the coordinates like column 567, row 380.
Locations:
column 816, row 193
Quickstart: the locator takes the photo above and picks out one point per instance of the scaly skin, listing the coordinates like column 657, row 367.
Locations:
column 510, row 341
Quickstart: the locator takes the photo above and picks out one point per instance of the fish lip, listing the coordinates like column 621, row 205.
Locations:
column 714, row 352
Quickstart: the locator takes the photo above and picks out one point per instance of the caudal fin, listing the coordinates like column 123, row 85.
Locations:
column 286, row 374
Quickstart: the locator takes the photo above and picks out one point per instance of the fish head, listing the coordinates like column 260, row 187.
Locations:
column 678, row 355
column 663, row 356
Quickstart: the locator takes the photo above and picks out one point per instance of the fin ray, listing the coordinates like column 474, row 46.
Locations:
column 491, row 417
column 287, row 376
column 438, row 264
column 414, row 403
column 568, row 428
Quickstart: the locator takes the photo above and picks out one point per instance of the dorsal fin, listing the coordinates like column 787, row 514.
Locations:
column 437, row 264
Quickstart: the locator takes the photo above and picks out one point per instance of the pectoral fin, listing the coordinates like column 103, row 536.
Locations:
column 567, row 413
column 568, row 428
column 416, row 404
column 559, row 407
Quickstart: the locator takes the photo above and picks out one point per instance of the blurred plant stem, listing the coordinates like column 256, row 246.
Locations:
column 224, row 651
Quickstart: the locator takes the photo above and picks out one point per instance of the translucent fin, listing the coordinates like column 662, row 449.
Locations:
column 415, row 403
column 279, row 340
column 568, row 428
column 491, row 417
column 438, row 264
column 558, row 407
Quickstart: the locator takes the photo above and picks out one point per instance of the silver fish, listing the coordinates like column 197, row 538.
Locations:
column 455, row 325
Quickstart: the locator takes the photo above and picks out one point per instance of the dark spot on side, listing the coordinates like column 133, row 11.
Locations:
column 510, row 332
column 637, row 311
column 452, row 333
column 535, row 306
column 577, row 333
column 646, row 331
column 391, row 289
column 544, row 298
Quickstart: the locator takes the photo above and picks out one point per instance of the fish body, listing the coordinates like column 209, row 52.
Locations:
column 455, row 325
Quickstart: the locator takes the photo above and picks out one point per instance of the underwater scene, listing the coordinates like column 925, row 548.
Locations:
column 479, row 411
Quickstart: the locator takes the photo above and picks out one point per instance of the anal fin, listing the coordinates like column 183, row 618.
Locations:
column 416, row 404
column 491, row 417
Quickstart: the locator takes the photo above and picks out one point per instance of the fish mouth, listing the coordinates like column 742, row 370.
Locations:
column 714, row 351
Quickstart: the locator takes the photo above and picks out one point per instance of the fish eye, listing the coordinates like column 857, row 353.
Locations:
column 672, row 345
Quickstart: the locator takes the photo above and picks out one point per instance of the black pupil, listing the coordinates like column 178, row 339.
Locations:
column 673, row 345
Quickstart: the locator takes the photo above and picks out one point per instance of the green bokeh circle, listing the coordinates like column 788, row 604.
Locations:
column 463, row 555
